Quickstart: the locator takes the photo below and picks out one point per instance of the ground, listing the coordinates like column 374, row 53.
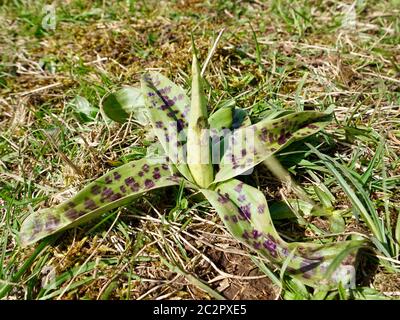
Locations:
column 273, row 55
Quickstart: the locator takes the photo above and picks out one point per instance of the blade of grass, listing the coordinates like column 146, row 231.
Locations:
column 211, row 52
column 261, row 265
column 258, row 50
column 28, row 262
column 372, row 222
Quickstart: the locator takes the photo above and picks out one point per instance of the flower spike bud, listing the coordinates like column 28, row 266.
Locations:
column 198, row 142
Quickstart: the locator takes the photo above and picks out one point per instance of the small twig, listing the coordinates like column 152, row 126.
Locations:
column 63, row 155
column 211, row 52
column 40, row 89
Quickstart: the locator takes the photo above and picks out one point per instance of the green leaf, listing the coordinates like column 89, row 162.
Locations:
column 116, row 188
column 126, row 102
column 323, row 196
column 198, row 139
column 337, row 223
column 229, row 117
column 221, row 119
column 240, row 118
column 83, row 109
column 225, row 118
column 244, row 211
column 282, row 210
column 168, row 107
column 251, row 145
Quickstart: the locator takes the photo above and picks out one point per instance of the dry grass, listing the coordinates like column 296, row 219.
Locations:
column 309, row 55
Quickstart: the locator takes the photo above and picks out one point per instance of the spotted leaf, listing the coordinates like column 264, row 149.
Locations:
column 116, row 188
column 244, row 211
column 251, row 145
column 168, row 107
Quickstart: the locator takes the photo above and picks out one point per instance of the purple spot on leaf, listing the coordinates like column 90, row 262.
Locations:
column 52, row 222
column 245, row 211
column 71, row 204
column 90, row 204
column 129, row 181
column 156, row 175
column 170, row 102
column 308, row 268
column 37, row 226
column 223, row 198
column 264, row 134
column 257, row 245
column 72, row 214
column 135, row 187
column 271, row 137
column 148, row 184
column 270, row 246
column 282, row 137
column 256, row 234
column 95, row 190
column 108, row 180
column 115, row 196
column 180, row 125
column 239, row 187
column 107, row 192
column 261, row 208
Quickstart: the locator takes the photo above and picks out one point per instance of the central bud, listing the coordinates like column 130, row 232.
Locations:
column 198, row 139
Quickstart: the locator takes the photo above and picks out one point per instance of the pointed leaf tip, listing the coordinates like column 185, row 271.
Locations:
column 198, row 141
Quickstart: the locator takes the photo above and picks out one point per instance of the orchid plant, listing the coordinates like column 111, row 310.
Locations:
column 197, row 156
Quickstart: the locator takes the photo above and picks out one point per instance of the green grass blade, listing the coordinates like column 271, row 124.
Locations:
column 372, row 221
column 27, row 264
